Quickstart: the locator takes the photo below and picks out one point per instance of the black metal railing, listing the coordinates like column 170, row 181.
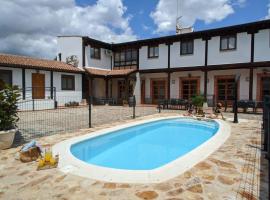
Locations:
column 266, row 134
column 28, row 101
column 45, row 120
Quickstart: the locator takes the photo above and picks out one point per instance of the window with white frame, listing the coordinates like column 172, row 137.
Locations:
column 95, row 52
column 68, row 82
column 153, row 51
column 228, row 42
column 186, row 47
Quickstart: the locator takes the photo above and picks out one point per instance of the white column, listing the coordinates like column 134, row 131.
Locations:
column 137, row 89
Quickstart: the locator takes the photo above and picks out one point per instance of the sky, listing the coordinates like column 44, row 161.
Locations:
column 31, row 27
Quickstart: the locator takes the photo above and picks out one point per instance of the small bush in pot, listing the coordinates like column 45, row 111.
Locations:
column 9, row 96
column 198, row 101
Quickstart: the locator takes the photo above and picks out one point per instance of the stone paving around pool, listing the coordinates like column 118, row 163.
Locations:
column 236, row 171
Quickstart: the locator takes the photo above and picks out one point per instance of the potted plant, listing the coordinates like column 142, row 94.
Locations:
column 198, row 101
column 9, row 96
column 125, row 102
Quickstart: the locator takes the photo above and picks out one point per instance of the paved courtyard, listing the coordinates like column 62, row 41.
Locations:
column 48, row 122
column 237, row 170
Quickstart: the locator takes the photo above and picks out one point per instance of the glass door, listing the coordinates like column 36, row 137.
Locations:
column 158, row 91
column 189, row 88
column 225, row 91
column 265, row 86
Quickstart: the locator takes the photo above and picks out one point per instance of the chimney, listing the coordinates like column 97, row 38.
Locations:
column 180, row 30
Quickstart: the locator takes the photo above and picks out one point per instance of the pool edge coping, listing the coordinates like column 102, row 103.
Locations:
column 70, row 164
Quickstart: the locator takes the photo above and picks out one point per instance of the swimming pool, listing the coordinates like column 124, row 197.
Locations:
column 148, row 151
column 145, row 146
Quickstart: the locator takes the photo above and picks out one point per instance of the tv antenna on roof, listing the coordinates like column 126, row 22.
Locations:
column 179, row 28
column 178, row 23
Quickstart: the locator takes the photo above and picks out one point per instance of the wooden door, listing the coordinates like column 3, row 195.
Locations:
column 190, row 87
column 265, row 87
column 38, row 86
column 143, row 92
column 121, row 91
column 224, row 90
column 158, row 90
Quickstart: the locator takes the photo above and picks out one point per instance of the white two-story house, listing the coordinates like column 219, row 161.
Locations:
column 177, row 66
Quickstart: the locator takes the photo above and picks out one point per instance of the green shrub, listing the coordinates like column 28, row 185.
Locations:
column 72, row 103
column 9, row 96
column 198, row 101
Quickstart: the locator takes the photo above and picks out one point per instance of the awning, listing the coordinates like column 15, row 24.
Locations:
column 109, row 73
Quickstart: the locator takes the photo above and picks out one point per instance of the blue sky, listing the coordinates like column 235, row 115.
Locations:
column 28, row 31
column 143, row 25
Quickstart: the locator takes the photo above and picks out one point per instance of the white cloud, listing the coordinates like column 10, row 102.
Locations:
column 164, row 15
column 268, row 15
column 30, row 27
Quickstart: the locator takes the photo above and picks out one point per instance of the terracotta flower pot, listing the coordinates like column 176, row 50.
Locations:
column 6, row 138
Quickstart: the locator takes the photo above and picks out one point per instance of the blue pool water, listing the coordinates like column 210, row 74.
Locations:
column 146, row 146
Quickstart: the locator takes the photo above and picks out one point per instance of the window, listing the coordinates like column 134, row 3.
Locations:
column 117, row 59
column 153, row 51
column 228, row 42
column 68, row 82
column 5, row 77
column 95, row 53
column 127, row 57
column 186, row 47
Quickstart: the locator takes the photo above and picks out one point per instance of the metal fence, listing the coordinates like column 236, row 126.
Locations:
column 266, row 133
column 47, row 119
column 41, row 117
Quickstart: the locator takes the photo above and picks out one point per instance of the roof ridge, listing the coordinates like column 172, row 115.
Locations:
column 24, row 56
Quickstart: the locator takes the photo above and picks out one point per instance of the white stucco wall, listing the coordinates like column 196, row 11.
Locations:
column 262, row 46
column 104, row 62
column 154, row 63
column 195, row 59
column 137, row 88
column 69, row 46
column 240, row 55
column 16, row 75
column 64, row 96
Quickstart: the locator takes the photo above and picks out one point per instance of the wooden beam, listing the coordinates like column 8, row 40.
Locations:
column 205, row 64
column 169, row 86
column 126, row 87
column 51, row 84
column 206, row 53
column 83, row 53
column 138, row 58
column 23, row 83
column 205, row 84
column 251, row 84
column 252, row 48
column 107, row 88
column 169, row 74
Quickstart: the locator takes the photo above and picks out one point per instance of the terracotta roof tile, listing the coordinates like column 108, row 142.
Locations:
column 34, row 63
column 96, row 72
column 102, row 72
